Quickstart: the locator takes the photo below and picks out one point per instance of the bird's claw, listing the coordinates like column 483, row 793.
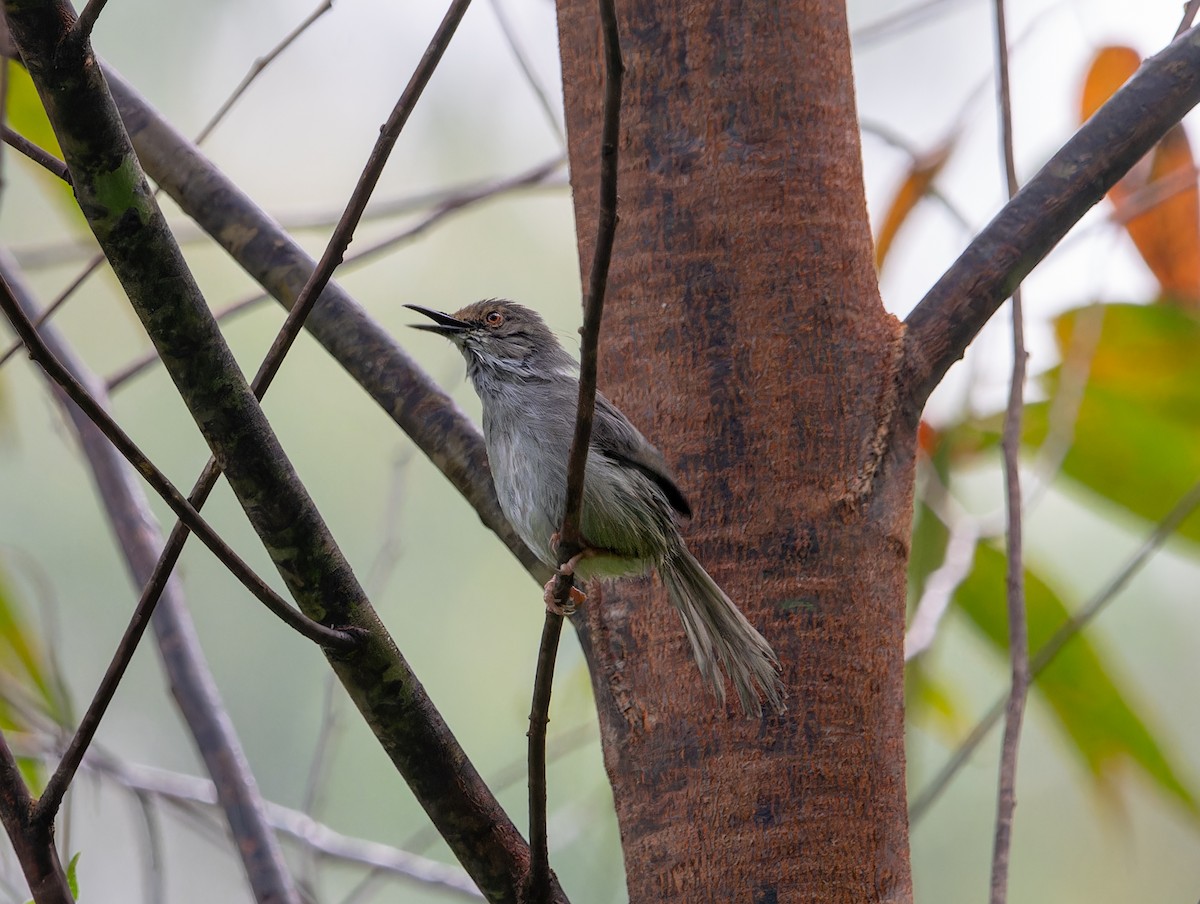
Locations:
column 574, row 598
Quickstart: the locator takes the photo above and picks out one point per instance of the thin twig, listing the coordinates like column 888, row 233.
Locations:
column 58, row 168
column 444, row 209
column 53, row 307
column 193, row 686
column 87, row 19
column 1119, row 134
column 153, row 876
column 54, row 253
column 898, row 23
column 344, row 232
column 940, row 586
column 1189, row 16
column 535, row 85
column 38, row 155
column 1018, row 635
column 1072, row 627
column 570, row 538
column 256, row 69
column 161, row 484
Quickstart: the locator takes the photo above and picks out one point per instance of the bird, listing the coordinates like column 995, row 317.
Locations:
column 528, row 385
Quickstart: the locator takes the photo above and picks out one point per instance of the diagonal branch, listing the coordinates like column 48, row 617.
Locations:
column 343, row 233
column 95, row 412
column 38, row 155
column 260, row 66
column 369, row 354
column 134, row 234
column 192, row 683
column 1120, row 133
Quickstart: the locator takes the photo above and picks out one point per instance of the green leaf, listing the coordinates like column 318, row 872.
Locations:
column 72, row 879
column 23, row 659
column 1137, row 434
column 933, row 701
column 25, row 114
column 1078, row 685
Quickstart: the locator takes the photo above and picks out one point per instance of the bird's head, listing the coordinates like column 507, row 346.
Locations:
column 500, row 336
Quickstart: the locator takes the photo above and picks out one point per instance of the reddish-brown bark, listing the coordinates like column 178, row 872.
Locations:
column 744, row 332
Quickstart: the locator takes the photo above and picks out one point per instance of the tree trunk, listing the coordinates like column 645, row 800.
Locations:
column 745, row 335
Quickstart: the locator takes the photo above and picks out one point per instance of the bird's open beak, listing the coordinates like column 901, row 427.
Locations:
column 442, row 323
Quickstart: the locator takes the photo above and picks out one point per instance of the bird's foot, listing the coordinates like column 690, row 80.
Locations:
column 574, row 598
column 566, row 570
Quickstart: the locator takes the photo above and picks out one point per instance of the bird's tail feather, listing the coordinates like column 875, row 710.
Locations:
column 721, row 636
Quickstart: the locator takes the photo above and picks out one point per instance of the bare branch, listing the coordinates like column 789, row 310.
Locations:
column 1018, row 637
column 570, row 539
column 450, row 205
column 40, row 156
column 192, row 684
column 32, row 843
column 344, row 232
column 370, row 354
column 535, row 85
column 260, row 66
column 87, row 19
column 1023, row 232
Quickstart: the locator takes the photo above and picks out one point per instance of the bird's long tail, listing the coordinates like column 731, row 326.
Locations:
column 721, row 635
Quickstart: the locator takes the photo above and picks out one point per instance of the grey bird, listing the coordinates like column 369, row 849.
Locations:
column 529, row 388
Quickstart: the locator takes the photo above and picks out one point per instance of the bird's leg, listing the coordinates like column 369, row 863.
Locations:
column 574, row 598
column 566, row 570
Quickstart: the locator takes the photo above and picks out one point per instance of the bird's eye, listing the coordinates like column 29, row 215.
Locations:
column 494, row 318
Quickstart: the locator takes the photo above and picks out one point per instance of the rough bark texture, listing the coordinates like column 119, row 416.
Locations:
column 744, row 333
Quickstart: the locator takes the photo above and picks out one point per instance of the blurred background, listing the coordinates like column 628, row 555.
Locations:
column 1107, row 805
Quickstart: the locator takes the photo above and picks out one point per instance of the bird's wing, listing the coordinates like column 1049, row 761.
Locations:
column 616, row 438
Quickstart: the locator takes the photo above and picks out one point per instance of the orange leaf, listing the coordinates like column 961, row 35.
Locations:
column 1158, row 201
column 921, row 173
column 1163, row 219
column 927, row 437
column 1111, row 68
